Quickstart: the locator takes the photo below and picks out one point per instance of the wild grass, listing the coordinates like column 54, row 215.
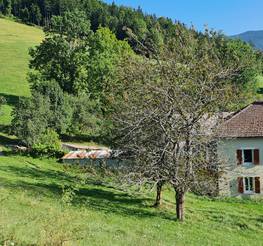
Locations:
column 15, row 41
column 38, row 207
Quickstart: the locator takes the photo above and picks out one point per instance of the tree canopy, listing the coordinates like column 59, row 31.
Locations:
column 98, row 14
column 72, row 71
column 171, row 100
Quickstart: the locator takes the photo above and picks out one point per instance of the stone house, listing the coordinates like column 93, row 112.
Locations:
column 241, row 149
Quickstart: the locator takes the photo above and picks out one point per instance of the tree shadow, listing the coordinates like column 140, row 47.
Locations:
column 6, row 140
column 10, row 99
column 50, row 183
column 33, row 171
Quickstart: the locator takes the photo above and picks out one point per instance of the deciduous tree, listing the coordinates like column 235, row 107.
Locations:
column 167, row 119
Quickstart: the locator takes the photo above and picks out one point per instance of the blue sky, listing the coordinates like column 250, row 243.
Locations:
column 230, row 16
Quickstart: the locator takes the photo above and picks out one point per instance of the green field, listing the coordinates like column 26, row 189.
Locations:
column 33, row 211
column 15, row 40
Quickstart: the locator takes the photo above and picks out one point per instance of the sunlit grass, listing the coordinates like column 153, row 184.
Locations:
column 15, row 41
column 32, row 211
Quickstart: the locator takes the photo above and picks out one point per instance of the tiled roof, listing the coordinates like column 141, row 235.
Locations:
column 94, row 154
column 247, row 122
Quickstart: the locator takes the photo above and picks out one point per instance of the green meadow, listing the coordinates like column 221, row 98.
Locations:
column 15, row 41
column 38, row 207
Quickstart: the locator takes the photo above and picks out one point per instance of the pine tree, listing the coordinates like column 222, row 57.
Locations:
column 7, row 7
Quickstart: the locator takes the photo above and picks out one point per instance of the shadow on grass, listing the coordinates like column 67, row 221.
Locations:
column 5, row 139
column 97, row 197
column 10, row 99
column 34, row 172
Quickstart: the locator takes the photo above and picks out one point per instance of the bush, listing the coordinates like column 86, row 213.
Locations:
column 48, row 144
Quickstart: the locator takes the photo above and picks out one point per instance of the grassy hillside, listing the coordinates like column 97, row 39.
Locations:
column 15, row 40
column 32, row 212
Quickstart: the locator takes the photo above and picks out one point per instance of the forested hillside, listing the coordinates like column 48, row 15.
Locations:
column 148, row 28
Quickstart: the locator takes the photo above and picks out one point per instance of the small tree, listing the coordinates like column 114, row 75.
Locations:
column 47, row 144
column 166, row 122
column 30, row 118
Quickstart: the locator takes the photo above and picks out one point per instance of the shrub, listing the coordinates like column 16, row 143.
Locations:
column 48, row 144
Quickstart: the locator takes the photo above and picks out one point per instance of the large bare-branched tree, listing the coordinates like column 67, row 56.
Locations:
column 172, row 105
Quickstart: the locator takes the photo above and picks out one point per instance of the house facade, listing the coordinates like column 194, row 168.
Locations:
column 241, row 151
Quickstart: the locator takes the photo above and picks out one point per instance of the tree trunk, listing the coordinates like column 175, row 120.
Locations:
column 158, row 199
column 180, row 205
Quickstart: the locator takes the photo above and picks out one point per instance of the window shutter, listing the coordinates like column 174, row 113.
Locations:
column 239, row 157
column 256, row 156
column 257, row 184
column 240, row 185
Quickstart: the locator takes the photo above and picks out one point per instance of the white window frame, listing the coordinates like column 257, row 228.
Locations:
column 243, row 157
column 244, row 185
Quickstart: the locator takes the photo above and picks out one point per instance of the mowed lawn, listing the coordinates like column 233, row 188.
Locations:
column 15, row 41
column 34, row 211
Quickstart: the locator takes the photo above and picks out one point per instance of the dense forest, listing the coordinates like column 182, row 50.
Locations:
column 147, row 28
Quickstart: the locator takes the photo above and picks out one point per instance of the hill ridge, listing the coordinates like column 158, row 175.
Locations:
column 255, row 38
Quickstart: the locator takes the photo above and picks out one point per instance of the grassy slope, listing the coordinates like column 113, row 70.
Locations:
column 15, row 40
column 32, row 212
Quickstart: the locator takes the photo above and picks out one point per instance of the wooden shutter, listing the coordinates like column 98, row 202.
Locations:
column 240, row 185
column 256, row 156
column 257, row 184
column 239, row 157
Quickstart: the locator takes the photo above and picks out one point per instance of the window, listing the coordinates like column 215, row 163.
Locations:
column 249, row 185
column 248, row 156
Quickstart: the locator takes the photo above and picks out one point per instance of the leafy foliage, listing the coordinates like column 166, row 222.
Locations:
column 63, row 54
column 170, row 112
column 30, row 118
column 60, row 107
column 147, row 28
column 48, row 144
column 79, row 60
column 87, row 117
column 73, row 69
